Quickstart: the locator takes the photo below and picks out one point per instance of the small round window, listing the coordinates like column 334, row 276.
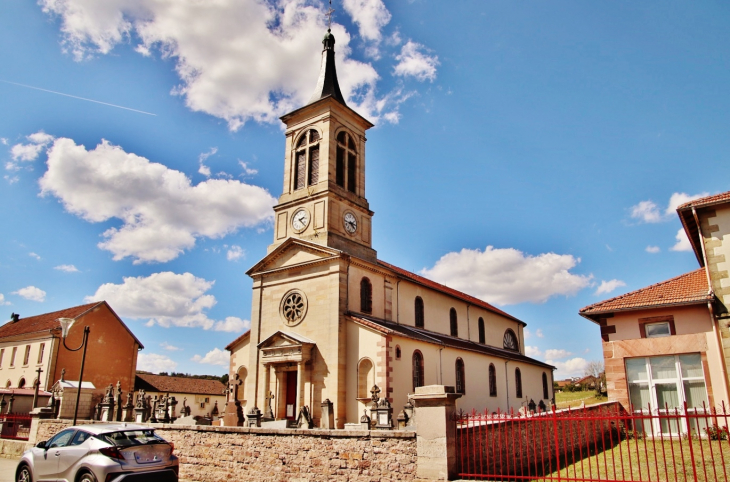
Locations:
column 293, row 307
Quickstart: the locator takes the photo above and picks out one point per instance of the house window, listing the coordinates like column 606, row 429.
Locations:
column 460, row 376
column 2, row 355
column 518, row 383
column 12, row 356
column 657, row 330
column 664, row 383
column 453, row 322
column 397, row 352
column 365, row 374
column 306, row 160
column 419, row 312
column 26, row 357
column 40, row 352
column 366, row 296
column 21, row 383
column 346, row 162
column 492, row 380
column 510, row 341
column 482, row 333
column 545, row 394
column 417, row 370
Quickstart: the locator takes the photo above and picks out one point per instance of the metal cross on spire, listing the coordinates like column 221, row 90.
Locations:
column 329, row 16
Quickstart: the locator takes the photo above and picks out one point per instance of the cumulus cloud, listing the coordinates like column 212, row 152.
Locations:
column 533, row 351
column 244, row 60
column 162, row 212
column 28, row 152
column 213, row 357
column 2, row 300
column 232, row 324
column 413, row 62
column 235, row 253
column 67, row 268
column 247, row 171
column 166, row 299
column 152, row 362
column 557, row 354
column 649, row 212
column 166, row 346
column 538, row 333
column 203, row 169
column 508, row 276
column 653, row 249
column 679, row 198
column 31, row 293
column 573, row 367
column 34, row 256
column 609, row 286
column 683, row 243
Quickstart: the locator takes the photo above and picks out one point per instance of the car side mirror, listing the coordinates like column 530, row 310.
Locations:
column 41, row 445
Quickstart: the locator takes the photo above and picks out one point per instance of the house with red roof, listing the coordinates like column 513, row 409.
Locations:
column 669, row 343
column 34, row 342
column 203, row 397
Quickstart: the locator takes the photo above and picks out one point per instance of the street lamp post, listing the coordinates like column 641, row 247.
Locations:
column 66, row 324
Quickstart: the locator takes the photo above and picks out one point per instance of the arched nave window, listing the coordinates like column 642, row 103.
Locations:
column 417, row 370
column 518, row 382
column 366, row 296
column 453, row 322
column 419, row 312
column 482, row 333
column 510, row 340
column 492, row 380
column 460, row 376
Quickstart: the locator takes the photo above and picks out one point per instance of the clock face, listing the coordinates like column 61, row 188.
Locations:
column 300, row 220
column 350, row 223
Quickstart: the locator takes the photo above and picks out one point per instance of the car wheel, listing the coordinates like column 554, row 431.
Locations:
column 23, row 474
column 86, row 477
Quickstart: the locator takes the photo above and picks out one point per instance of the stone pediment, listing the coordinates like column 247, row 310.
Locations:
column 284, row 347
column 293, row 252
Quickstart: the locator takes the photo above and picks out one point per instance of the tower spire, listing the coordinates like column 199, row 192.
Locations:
column 327, row 85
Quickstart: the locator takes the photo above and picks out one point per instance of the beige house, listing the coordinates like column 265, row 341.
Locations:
column 206, row 398
column 669, row 343
column 330, row 320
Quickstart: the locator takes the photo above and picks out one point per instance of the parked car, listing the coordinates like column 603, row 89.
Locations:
column 109, row 452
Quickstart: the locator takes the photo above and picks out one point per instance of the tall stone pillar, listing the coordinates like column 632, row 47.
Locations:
column 435, row 407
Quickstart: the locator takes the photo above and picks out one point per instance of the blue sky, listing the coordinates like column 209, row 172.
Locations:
column 528, row 153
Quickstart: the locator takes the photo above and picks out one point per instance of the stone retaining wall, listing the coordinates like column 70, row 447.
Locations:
column 226, row 454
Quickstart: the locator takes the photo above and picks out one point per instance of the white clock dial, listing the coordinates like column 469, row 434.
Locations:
column 300, row 220
column 350, row 223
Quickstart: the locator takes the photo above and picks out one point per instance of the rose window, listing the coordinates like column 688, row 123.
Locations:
column 293, row 307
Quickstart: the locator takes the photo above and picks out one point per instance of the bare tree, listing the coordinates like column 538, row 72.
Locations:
column 595, row 370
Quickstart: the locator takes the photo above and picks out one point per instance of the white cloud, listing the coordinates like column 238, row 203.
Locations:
column 574, row 367
column 646, row 211
column 167, row 299
column 247, row 171
column 557, row 354
column 412, row 62
column 166, row 346
column 533, row 351
column 152, row 362
column 34, row 256
column 67, row 268
column 609, row 286
column 369, row 15
column 679, row 198
column 653, row 249
column 213, row 357
column 244, row 59
column 3, row 141
column 28, row 152
column 2, row 300
column 538, row 333
column 162, row 213
column 683, row 243
column 235, row 253
column 232, row 324
column 205, row 170
column 11, row 179
column 31, row 293
column 508, row 276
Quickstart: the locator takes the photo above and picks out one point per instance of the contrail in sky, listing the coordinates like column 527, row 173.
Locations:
column 80, row 98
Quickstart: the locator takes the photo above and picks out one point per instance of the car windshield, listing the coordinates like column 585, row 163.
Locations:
column 128, row 438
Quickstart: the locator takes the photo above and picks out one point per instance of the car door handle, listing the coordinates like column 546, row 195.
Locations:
column 57, row 454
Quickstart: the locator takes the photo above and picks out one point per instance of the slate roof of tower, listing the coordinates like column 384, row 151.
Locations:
column 327, row 84
column 689, row 288
column 163, row 383
column 49, row 321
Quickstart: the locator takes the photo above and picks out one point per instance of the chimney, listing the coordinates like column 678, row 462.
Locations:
column 14, row 317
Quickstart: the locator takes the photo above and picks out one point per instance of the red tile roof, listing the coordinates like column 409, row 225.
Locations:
column 163, row 383
column 44, row 322
column 706, row 201
column 689, row 288
column 449, row 291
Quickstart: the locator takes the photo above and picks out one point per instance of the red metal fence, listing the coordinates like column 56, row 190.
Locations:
column 596, row 443
column 15, row 426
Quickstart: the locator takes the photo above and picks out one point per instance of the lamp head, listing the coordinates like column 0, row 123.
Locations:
column 66, row 324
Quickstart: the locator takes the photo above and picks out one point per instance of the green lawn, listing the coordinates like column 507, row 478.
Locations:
column 574, row 399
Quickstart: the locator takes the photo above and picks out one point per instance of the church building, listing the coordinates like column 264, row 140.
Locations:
column 330, row 321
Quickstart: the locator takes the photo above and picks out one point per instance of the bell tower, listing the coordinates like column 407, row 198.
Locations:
column 323, row 200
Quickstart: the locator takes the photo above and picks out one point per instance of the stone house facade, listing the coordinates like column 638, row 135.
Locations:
column 669, row 343
column 33, row 342
column 330, row 320
column 206, row 398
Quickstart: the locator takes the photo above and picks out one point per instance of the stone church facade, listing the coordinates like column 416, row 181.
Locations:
column 330, row 320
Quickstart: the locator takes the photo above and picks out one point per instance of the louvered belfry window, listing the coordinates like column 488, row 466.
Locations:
column 366, row 296
column 306, row 160
column 346, row 162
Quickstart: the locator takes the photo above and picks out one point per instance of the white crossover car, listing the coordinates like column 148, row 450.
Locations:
column 108, row 452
